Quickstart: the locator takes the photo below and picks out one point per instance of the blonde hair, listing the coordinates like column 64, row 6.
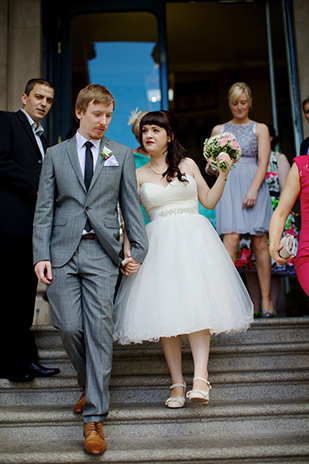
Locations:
column 134, row 120
column 93, row 93
column 237, row 89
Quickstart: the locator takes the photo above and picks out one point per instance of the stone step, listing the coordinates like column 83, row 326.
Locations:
column 184, row 449
column 297, row 357
column 153, row 351
column 60, row 423
column 260, row 385
column 258, row 411
column 280, row 330
column 150, row 360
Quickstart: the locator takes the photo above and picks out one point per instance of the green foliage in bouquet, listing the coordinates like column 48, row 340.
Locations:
column 223, row 143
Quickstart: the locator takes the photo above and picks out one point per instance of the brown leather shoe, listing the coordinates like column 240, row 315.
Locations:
column 79, row 407
column 94, row 438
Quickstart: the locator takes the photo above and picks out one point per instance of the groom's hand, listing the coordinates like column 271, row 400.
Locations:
column 43, row 272
column 129, row 265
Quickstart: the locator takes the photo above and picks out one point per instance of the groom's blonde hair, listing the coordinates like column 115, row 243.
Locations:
column 95, row 93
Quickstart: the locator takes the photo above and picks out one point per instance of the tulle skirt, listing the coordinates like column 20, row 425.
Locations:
column 187, row 283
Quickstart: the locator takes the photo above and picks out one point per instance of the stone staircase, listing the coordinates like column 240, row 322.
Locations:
column 259, row 409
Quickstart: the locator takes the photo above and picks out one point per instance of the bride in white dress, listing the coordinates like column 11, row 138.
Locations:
column 188, row 283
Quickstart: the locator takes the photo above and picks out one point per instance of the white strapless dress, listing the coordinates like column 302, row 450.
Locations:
column 187, row 282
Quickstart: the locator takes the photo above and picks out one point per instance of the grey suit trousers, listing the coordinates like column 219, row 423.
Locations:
column 81, row 296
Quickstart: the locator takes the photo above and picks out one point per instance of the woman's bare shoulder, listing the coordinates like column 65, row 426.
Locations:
column 141, row 173
column 216, row 130
column 189, row 166
column 187, row 163
column 261, row 128
column 282, row 158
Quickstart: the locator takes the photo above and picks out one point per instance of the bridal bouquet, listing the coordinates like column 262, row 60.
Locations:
column 223, row 143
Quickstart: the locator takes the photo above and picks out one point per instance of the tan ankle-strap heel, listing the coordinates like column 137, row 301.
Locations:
column 200, row 396
column 177, row 401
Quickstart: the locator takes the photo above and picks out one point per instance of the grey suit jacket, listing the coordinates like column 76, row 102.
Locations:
column 63, row 205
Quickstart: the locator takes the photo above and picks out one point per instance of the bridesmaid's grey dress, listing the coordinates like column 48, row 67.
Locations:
column 230, row 216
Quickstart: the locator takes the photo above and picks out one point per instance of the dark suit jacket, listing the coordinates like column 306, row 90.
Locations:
column 304, row 146
column 20, row 167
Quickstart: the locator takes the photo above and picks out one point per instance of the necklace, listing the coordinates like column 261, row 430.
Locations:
column 156, row 172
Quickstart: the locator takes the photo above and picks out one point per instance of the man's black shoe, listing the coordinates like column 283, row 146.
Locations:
column 20, row 373
column 40, row 371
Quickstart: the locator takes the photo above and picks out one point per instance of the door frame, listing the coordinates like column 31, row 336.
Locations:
column 56, row 51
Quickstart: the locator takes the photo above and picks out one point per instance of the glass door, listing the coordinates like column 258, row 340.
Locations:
column 120, row 51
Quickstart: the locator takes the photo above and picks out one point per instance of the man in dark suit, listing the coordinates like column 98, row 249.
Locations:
column 304, row 148
column 22, row 149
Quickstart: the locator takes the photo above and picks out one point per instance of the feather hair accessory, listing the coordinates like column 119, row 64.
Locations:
column 133, row 117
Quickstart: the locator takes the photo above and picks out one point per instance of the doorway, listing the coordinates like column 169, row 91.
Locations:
column 199, row 49
column 212, row 45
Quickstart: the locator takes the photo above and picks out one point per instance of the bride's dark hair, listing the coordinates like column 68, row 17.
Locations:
column 175, row 151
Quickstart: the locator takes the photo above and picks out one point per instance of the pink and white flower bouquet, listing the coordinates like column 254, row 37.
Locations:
column 223, row 143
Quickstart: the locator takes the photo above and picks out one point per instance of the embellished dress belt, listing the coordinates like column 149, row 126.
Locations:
column 88, row 236
column 185, row 210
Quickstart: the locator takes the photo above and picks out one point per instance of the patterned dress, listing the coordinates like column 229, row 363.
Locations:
column 230, row 215
column 245, row 259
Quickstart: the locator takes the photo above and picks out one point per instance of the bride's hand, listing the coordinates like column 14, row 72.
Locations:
column 226, row 166
column 210, row 170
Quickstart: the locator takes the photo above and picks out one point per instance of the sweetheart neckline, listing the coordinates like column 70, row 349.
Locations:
column 157, row 185
column 160, row 186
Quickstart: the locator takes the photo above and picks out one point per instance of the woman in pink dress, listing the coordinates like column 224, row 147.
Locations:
column 297, row 183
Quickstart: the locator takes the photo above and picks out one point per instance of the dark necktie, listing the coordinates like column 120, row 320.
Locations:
column 88, row 165
column 88, row 174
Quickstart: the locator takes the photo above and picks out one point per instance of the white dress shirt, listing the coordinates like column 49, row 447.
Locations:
column 81, row 152
column 37, row 131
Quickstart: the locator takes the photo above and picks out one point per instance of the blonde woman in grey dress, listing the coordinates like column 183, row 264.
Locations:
column 245, row 206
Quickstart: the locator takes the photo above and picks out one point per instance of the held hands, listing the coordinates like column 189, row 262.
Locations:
column 43, row 272
column 129, row 265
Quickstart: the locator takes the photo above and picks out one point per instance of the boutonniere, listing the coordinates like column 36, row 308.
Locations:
column 106, row 153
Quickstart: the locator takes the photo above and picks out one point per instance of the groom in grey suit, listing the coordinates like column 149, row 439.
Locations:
column 77, row 249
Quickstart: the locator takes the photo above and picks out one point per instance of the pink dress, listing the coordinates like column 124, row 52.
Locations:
column 302, row 257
